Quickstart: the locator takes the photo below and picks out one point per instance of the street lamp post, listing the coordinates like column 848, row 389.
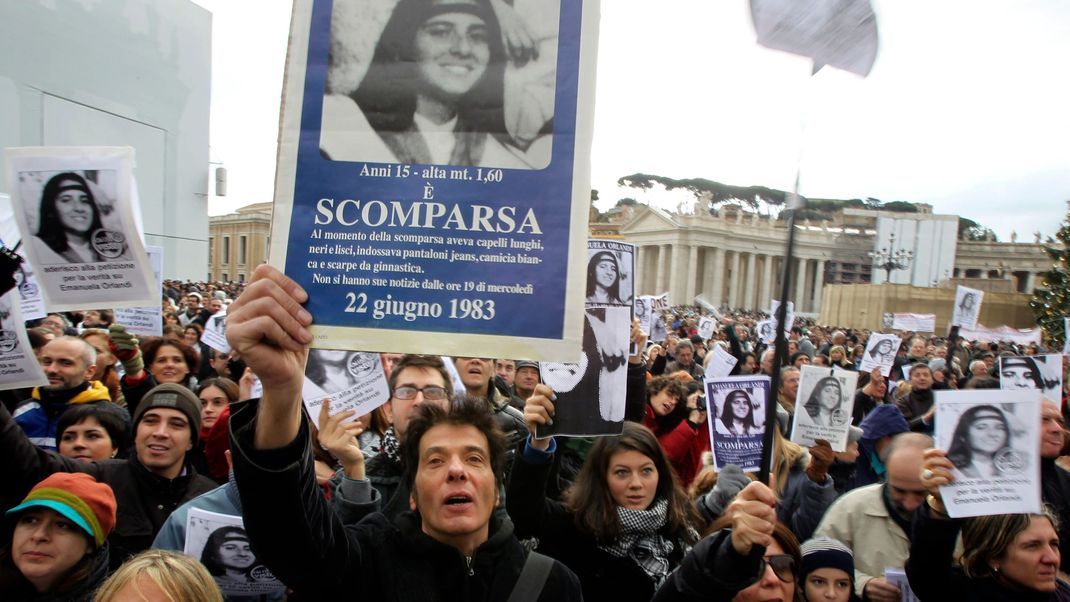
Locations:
column 889, row 259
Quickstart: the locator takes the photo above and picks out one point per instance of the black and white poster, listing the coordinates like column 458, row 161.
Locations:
column 145, row 321
column 789, row 317
column 914, row 322
column 31, row 302
column 1043, row 372
column 967, row 307
column 706, row 328
column 720, row 362
column 220, row 543
column 766, row 331
column 18, row 364
column 880, row 352
column 353, row 380
column 992, row 437
column 74, row 210
column 610, row 274
column 736, row 419
column 591, row 393
column 823, row 406
column 215, row 332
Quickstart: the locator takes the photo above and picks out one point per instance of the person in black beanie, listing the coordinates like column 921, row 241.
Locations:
column 827, row 571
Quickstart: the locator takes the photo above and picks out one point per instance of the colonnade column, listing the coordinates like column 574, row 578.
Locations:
column 1030, row 282
column 748, row 289
column 733, row 284
column 692, row 275
column 716, row 271
column 675, row 269
column 800, row 285
column 819, row 285
column 767, row 282
column 664, row 269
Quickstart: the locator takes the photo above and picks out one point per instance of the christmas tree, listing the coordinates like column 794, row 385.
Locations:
column 1051, row 303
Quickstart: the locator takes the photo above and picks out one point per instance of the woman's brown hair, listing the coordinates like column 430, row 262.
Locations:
column 591, row 502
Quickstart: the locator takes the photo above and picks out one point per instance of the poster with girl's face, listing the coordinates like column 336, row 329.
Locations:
column 823, row 406
column 591, row 392
column 352, row 380
column 967, row 307
column 880, row 352
column 992, row 438
column 220, row 543
column 736, row 419
column 610, row 274
column 21, row 368
column 74, row 208
column 1043, row 372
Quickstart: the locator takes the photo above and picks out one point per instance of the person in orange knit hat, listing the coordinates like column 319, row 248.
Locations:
column 58, row 540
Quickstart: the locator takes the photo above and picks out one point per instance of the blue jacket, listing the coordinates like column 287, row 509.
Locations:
column 39, row 415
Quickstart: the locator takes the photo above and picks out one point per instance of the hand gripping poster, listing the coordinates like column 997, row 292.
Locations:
column 992, row 438
column 433, row 173
column 823, row 406
column 736, row 419
column 74, row 207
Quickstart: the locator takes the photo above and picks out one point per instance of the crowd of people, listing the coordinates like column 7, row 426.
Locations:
column 445, row 492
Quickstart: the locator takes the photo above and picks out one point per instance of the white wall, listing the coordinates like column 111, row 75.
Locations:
column 932, row 239
column 119, row 73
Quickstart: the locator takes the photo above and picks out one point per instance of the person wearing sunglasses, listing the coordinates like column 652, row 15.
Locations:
column 748, row 557
column 415, row 380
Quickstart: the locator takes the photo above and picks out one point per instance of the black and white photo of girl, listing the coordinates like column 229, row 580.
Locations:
column 609, row 276
column 1043, row 372
column 981, row 446
column 967, row 307
column 880, row 352
column 456, row 82
column 74, row 220
column 736, row 415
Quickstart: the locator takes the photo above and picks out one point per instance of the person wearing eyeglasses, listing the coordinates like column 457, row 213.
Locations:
column 415, row 380
column 748, row 556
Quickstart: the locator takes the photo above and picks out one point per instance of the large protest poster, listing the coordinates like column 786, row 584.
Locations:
column 1042, row 372
column 414, row 197
column 18, row 364
column 823, row 406
column 146, row 321
column 591, row 393
column 74, row 210
column 220, row 543
column 353, row 380
column 1020, row 336
column 992, row 438
column 736, row 419
column 880, row 352
column 31, row 303
column 914, row 322
column 967, row 307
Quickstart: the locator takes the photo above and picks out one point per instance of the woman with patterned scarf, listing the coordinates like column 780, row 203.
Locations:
column 623, row 526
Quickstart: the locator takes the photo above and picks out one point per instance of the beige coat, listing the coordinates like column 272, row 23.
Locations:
column 860, row 520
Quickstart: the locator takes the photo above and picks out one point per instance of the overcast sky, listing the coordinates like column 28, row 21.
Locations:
column 965, row 109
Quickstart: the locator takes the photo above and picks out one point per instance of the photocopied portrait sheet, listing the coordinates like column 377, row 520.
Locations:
column 352, row 380
column 736, row 419
column 220, row 543
column 880, row 352
column 967, row 306
column 215, row 332
column 18, row 364
column 823, row 406
column 610, row 274
column 706, row 327
column 145, row 321
column 1043, row 372
column 993, row 439
column 413, row 199
column 591, row 392
column 31, row 302
column 74, row 209
column 721, row 363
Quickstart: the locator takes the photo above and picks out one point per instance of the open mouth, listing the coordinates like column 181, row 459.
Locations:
column 458, row 500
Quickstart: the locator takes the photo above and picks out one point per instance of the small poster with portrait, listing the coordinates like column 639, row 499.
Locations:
column 644, row 312
column 610, row 274
column 215, row 332
column 789, row 318
column 591, row 393
column 353, row 380
column 880, row 352
column 18, row 364
column 1042, row 372
column 823, row 406
column 736, row 419
column 31, row 302
column 74, row 209
column 766, row 331
column 992, row 437
column 145, row 321
column 706, row 328
column 219, row 541
column 967, row 307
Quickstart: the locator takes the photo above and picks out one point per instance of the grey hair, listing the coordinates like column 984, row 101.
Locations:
column 89, row 354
